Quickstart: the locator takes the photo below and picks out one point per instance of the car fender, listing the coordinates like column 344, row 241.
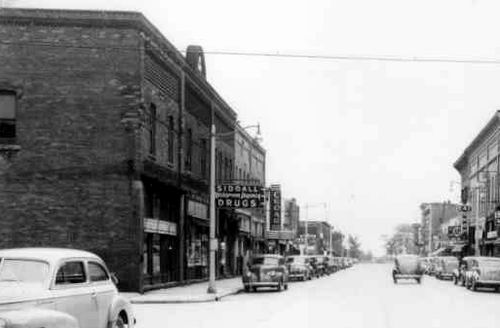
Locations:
column 119, row 304
column 35, row 318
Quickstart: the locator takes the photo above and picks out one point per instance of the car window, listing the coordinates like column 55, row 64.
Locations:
column 21, row 270
column 72, row 272
column 97, row 272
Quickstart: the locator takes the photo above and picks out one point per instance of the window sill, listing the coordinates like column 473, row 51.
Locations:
column 9, row 147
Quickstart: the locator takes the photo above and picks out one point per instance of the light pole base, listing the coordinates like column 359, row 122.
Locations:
column 211, row 290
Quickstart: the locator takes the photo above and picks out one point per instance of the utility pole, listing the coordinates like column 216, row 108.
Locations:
column 213, row 241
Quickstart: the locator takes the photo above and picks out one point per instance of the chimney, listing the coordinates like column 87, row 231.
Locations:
column 196, row 59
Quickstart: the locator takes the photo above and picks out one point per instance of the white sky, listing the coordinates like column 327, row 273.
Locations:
column 372, row 139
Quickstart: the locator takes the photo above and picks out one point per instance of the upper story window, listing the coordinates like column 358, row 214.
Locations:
column 203, row 157
column 7, row 116
column 152, row 129
column 189, row 149
column 171, row 134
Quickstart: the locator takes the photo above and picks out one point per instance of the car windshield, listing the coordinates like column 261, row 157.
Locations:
column 29, row 271
column 265, row 260
column 296, row 260
column 492, row 264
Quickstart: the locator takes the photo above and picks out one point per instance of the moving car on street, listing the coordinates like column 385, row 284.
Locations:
column 407, row 267
column 50, row 287
column 459, row 273
column 266, row 270
column 445, row 266
column 482, row 272
column 299, row 267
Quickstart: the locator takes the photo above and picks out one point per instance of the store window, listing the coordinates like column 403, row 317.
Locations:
column 152, row 129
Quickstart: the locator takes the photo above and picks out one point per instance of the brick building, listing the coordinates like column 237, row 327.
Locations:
column 434, row 215
column 318, row 233
column 104, row 143
column 478, row 167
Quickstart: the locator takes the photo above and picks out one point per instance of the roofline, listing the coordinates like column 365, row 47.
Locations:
column 117, row 19
column 459, row 163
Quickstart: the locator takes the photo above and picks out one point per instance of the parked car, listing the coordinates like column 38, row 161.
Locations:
column 459, row 273
column 407, row 267
column 445, row 267
column 266, row 270
column 316, row 267
column 333, row 265
column 322, row 264
column 299, row 267
column 482, row 272
column 432, row 266
column 50, row 287
column 425, row 263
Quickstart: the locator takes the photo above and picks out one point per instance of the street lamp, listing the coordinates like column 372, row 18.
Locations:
column 213, row 240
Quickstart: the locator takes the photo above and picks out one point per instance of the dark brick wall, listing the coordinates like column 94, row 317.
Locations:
column 68, row 185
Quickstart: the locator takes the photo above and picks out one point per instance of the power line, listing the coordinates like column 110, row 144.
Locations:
column 381, row 58
column 359, row 57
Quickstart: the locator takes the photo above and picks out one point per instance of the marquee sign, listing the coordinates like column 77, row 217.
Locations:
column 239, row 196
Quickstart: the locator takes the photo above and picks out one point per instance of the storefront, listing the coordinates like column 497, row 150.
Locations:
column 160, row 252
column 197, row 240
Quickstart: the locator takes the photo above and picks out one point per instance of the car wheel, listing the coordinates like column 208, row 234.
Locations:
column 474, row 285
column 419, row 280
column 119, row 323
column 462, row 281
column 280, row 286
column 467, row 284
column 286, row 286
column 455, row 280
column 247, row 289
column 395, row 280
column 254, row 289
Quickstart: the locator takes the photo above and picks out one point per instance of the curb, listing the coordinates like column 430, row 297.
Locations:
column 204, row 299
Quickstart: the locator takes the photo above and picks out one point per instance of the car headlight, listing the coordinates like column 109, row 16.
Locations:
column 249, row 274
column 3, row 323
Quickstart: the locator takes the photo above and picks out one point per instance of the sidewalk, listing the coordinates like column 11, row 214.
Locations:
column 193, row 293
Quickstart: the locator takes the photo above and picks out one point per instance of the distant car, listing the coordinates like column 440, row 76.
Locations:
column 482, row 271
column 266, row 270
column 407, row 267
column 445, row 267
column 299, row 267
column 316, row 267
column 333, row 265
column 322, row 264
column 50, row 287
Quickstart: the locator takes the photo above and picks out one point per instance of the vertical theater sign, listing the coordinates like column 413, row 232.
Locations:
column 275, row 207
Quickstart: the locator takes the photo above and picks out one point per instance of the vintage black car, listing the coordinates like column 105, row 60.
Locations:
column 266, row 270
column 407, row 267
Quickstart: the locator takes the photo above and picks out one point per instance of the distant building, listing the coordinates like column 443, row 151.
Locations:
column 292, row 214
column 434, row 215
column 318, row 233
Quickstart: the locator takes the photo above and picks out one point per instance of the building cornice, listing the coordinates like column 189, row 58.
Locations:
column 118, row 19
column 462, row 160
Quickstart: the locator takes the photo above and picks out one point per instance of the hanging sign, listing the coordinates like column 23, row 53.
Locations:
column 275, row 207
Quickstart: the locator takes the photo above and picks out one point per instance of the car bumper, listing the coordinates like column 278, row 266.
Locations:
column 298, row 275
column 407, row 276
column 486, row 283
column 251, row 284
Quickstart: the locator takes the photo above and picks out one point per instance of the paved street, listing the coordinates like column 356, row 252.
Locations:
column 362, row 296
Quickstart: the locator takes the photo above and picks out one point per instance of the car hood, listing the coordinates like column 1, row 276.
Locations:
column 262, row 266
column 11, row 292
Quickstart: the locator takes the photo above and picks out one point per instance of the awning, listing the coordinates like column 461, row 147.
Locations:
column 458, row 248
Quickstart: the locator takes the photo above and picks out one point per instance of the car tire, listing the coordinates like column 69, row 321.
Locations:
column 119, row 323
column 395, row 280
column 280, row 286
column 462, row 281
column 254, row 289
column 419, row 280
column 247, row 289
column 473, row 286
column 286, row 286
